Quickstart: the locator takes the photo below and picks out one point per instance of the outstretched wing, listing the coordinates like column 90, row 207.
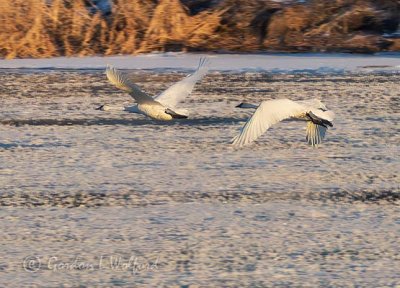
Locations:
column 315, row 133
column 267, row 114
column 316, row 128
column 180, row 90
column 122, row 82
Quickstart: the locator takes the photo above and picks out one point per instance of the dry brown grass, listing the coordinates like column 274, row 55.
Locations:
column 31, row 28
column 67, row 28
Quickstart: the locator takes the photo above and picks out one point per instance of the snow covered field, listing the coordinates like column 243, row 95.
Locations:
column 79, row 185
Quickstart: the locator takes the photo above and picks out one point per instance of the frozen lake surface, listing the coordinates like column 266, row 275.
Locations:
column 86, row 184
column 276, row 63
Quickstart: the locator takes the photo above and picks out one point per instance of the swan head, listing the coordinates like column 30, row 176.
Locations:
column 246, row 105
column 104, row 107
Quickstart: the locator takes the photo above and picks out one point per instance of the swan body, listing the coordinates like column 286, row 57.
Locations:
column 270, row 112
column 157, row 111
column 163, row 106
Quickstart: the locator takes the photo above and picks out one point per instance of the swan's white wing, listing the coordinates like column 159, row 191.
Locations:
column 326, row 115
column 180, row 90
column 315, row 133
column 122, row 82
column 313, row 104
column 267, row 114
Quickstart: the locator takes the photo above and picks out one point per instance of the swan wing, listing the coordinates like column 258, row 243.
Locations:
column 180, row 90
column 316, row 128
column 313, row 104
column 267, row 114
column 325, row 115
column 315, row 133
column 122, row 82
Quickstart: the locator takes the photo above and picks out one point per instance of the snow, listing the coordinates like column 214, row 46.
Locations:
column 53, row 141
column 277, row 63
column 85, row 183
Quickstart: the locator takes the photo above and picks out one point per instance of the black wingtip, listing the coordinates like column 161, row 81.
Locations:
column 99, row 108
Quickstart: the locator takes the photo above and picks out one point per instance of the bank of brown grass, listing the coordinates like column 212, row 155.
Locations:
column 34, row 28
column 31, row 28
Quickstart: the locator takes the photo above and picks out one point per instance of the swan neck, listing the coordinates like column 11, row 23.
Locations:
column 116, row 108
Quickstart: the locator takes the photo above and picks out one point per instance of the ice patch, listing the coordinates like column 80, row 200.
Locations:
column 274, row 63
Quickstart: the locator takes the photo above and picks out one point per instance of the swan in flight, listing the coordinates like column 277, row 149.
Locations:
column 163, row 106
column 270, row 112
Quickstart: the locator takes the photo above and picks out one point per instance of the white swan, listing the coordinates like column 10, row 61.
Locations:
column 163, row 106
column 271, row 112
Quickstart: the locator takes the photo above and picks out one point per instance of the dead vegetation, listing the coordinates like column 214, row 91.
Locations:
column 35, row 28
